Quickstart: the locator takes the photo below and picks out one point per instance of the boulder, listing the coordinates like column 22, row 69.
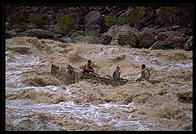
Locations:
column 146, row 38
column 92, row 30
column 106, row 39
column 123, row 35
column 176, row 40
column 8, row 26
column 93, row 18
column 188, row 45
column 171, row 37
column 129, row 38
column 9, row 34
column 127, row 12
column 161, row 45
column 168, row 28
column 94, row 21
column 39, row 33
column 164, row 35
column 84, row 39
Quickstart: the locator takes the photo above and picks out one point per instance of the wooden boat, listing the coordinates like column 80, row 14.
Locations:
column 103, row 79
column 57, row 71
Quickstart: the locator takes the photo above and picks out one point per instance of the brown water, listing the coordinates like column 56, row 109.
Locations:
column 35, row 100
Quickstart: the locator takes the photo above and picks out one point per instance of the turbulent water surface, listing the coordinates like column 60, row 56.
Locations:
column 35, row 100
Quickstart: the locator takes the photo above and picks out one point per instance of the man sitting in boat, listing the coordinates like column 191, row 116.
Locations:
column 145, row 73
column 88, row 68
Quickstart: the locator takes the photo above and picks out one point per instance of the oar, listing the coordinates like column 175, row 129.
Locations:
column 98, row 78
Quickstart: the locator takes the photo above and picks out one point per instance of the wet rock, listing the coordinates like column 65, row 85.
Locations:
column 161, row 45
column 83, row 39
column 124, row 35
column 39, row 33
column 10, row 34
column 185, row 30
column 175, row 38
column 128, row 36
column 81, row 13
column 92, row 30
column 106, row 39
column 65, row 40
column 128, row 39
column 164, row 35
column 93, row 18
column 185, row 97
column 126, row 12
column 94, row 21
column 8, row 26
column 146, row 38
column 188, row 45
column 7, row 35
column 169, row 28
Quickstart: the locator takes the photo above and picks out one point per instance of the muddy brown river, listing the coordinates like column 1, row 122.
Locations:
column 37, row 101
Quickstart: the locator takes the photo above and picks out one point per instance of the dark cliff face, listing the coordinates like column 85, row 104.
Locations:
column 66, row 21
column 138, row 16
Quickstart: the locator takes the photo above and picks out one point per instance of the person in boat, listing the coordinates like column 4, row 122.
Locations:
column 88, row 68
column 71, row 73
column 145, row 73
column 116, row 74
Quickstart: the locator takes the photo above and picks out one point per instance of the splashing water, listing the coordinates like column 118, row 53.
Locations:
column 37, row 101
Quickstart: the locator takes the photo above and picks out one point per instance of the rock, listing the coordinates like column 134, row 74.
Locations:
column 188, row 45
column 8, row 26
column 92, row 30
column 81, row 13
column 98, row 8
column 39, row 33
column 169, row 28
column 161, row 45
column 172, row 37
column 83, row 39
column 185, row 30
column 164, row 35
column 146, row 38
column 94, row 22
column 106, row 39
column 93, row 18
column 123, row 35
column 128, row 39
column 105, row 11
column 176, row 40
column 65, row 40
column 127, row 12
column 10, row 34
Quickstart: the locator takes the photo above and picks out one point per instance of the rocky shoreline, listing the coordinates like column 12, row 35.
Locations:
column 104, row 25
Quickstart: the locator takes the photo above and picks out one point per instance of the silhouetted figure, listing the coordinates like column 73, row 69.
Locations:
column 71, row 73
column 116, row 74
column 145, row 74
